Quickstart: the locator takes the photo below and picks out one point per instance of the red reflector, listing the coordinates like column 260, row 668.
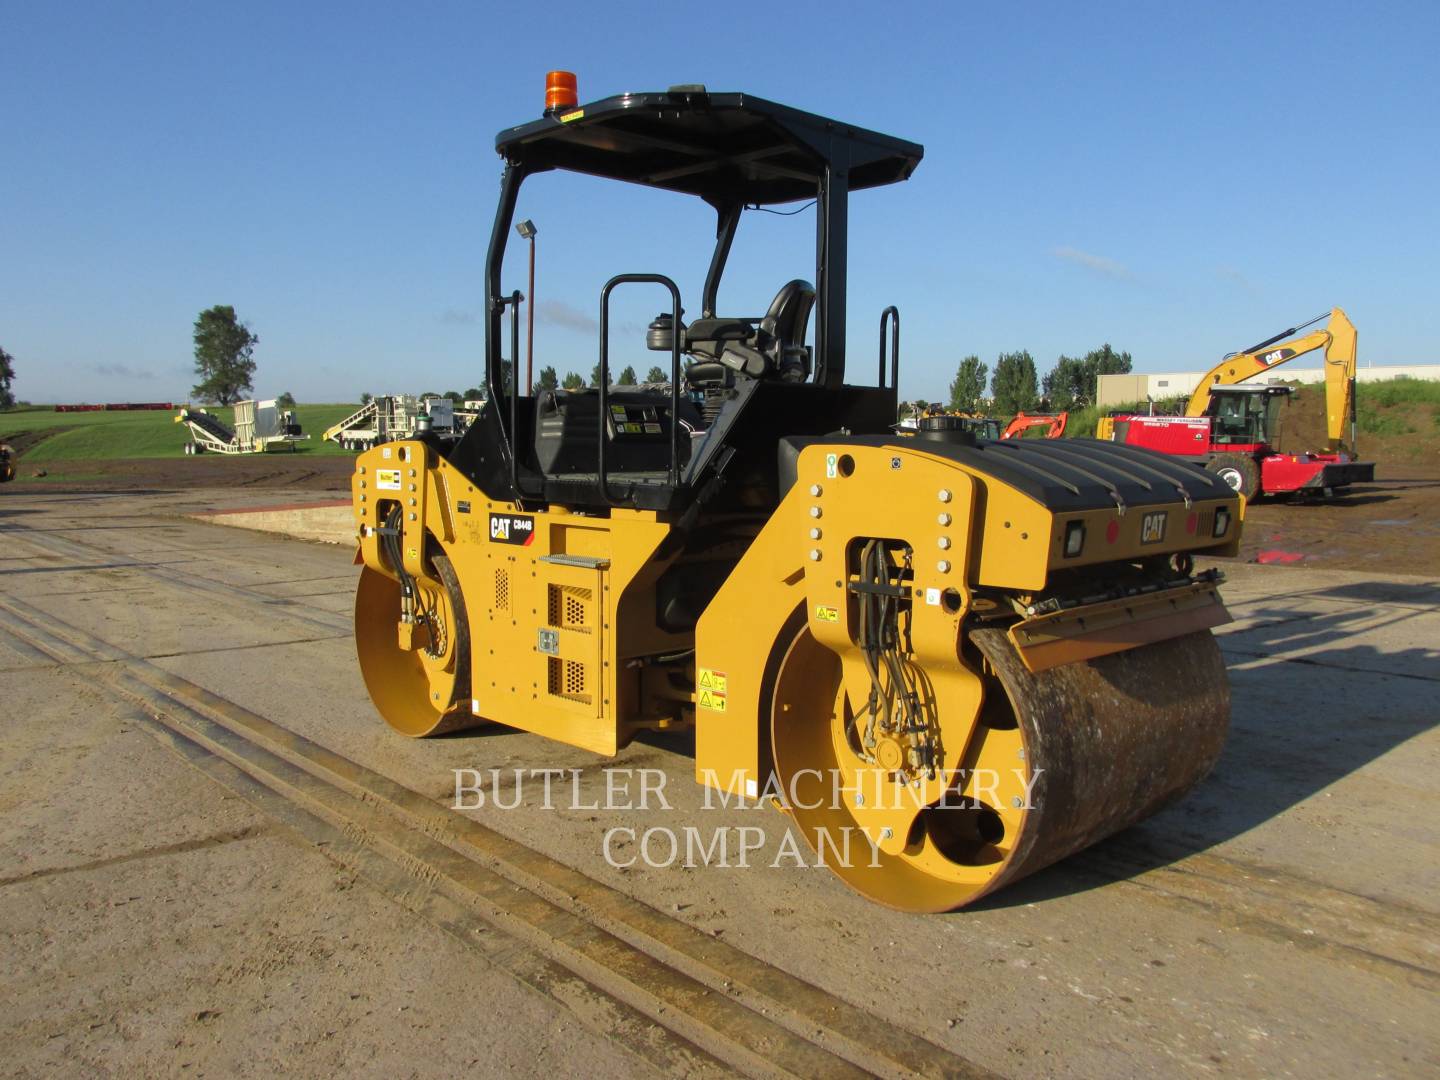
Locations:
column 1112, row 532
column 1192, row 522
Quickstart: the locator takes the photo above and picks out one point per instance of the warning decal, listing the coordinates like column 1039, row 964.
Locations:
column 387, row 479
column 709, row 699
column 713, row 686
column 827, row 614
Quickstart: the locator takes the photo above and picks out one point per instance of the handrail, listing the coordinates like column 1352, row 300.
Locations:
column 602, row 473
column 513, row 300
column 885, row 317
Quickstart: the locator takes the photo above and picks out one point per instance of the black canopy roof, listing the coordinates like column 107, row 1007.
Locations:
column 722, row 147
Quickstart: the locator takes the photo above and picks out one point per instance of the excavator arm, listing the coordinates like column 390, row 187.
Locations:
column 1338, row 339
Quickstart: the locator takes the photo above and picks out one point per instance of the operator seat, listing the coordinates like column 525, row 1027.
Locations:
column 724, row 348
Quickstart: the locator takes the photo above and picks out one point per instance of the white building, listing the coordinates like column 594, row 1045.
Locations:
column 1154, row 386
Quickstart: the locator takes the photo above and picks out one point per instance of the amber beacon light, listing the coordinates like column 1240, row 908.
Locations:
column 560, row 91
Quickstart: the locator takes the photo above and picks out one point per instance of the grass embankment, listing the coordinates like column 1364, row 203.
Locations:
column 42, row 435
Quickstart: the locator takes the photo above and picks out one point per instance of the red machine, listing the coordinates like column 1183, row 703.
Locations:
column 1234, row 442
column 1231, row 429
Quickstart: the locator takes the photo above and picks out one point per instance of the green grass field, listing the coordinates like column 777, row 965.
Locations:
column 110, row 436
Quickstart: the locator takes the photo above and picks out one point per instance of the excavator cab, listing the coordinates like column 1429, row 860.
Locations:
column 1246, row 415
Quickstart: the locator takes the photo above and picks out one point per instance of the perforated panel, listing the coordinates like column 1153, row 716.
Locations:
column 502, row 590
column 570, row 608
column 567, row 679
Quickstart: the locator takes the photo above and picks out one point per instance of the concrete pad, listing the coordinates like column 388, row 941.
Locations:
column 330, row 521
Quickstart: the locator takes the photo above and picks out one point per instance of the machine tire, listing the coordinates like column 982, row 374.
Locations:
column 1240, row 472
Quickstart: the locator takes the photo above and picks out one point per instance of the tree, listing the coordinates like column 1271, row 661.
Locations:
column 286, row 400
column 366, row 398
column 627, row 377
column 656, row 375
column 548, row 380
column 454, row 396
column 1014, row 385
column 474, row 394
column 224, row 356
column 1103, row 361
column 573, row 381
column 7, row 375
column 968, row 386
column 1065, row 385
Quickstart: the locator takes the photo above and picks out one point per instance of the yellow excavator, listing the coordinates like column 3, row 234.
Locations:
column 1230, row 428
column 951, row 660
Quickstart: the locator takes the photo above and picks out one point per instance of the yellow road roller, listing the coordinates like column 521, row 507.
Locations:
column 980, row 656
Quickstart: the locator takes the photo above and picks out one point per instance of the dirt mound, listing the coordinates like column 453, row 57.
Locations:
column 1391, row 428
column 1302, row 422
column 21, row 441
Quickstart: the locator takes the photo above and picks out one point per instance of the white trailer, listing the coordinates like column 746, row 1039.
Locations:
column 258, row 426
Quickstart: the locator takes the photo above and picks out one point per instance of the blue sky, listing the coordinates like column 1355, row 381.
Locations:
column 1178, row 180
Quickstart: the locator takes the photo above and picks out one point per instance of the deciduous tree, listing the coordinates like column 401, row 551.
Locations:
column 968, row 386
column 1065, row 384
column 7, row 376
column 1014, row 386
column 224, row 356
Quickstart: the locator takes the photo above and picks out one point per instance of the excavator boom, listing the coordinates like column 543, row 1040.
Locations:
column 1338, row 340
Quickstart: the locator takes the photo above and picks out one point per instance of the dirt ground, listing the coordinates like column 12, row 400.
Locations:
column 306, row 472
column 1390, row 525
column 154, row 923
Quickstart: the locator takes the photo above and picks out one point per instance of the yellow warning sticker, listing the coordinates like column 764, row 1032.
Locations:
column 711, row 679
column 712, row 700
column 578, row 114
column 387, row 479
column 827, row 614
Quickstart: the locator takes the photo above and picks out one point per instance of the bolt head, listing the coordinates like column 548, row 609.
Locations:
column 887, row 833
column 816, row 489
column 944, row 543
column 815, row 511
column 814, row 554
column 814, row 534
column 943, row 566
column 944, row 519
column 945, row 495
